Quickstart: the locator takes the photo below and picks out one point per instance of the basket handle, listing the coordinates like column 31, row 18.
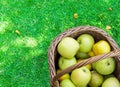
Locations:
column 113, row 53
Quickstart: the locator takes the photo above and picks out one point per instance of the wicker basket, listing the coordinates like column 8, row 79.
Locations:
column 98, row 34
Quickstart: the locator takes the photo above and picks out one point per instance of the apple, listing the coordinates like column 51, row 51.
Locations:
column 105, row 66
column 82, row 55
column 96, row 79
column 65, row 76
column 86, row 42
column 81, row 76
column 91, row 54
column 111, row 82
column 101, row 47
column 66, row 83
column 68, row 47
column 64, row 63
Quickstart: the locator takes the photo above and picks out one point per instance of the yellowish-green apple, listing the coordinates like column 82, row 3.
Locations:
column 66, row 83
column 81, row 76
column 105, row 66
column 86, row 42
column 64, row 63
column 111, row 82
column 96, row 79
column 68, row 47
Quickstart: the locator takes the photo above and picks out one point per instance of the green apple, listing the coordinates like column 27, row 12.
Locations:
column 64, row 63
column 105, row 66
column 86, row 42
column 66, row 83
column 82, row 55
column 111, row 82
column 68, row 47
column 81, row 76
column 96, row 79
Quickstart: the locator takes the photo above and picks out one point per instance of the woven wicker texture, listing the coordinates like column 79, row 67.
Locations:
column 98, row 34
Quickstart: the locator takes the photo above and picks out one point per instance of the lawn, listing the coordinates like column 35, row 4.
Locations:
column 27, row 28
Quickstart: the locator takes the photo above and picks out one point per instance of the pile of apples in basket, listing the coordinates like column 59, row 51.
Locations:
column 97, row 74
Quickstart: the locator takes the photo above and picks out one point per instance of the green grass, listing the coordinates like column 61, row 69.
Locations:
column 23, row 58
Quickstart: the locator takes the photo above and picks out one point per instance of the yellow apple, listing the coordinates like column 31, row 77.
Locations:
column 65, row 76
column 91, row 54
column 101, row 47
